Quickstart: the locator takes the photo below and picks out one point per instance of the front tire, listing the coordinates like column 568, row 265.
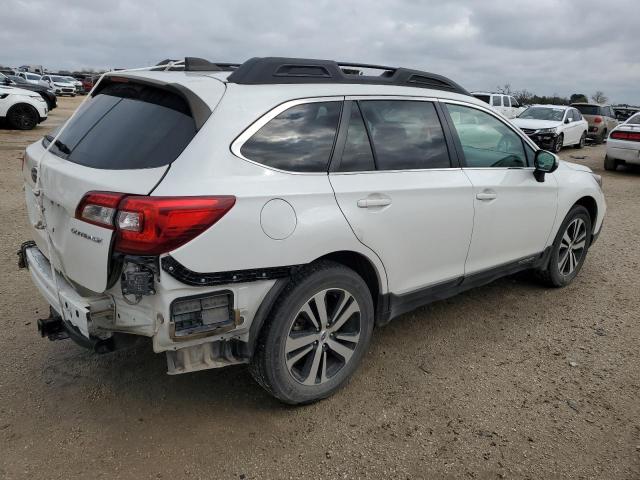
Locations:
column 569, row 248
column 557, row 146
column 316, row 334
column 22, row 117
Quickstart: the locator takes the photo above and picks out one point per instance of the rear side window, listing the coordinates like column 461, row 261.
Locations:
column 405, row 134
column 127, row 126
column 484, row 98
column 299, row 139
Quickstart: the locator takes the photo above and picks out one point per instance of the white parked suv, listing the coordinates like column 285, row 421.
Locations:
column 60, row 85
column 22, row 109
column 507, row 105
column 554, row 126
column 33, row 78
column 273, row 213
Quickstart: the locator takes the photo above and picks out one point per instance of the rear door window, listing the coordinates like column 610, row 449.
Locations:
column 300, row 139
column 127, row 126
column 506, row 102
column 496, row 101
column 405, row 134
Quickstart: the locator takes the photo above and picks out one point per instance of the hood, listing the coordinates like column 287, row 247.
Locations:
column 576, row 166
column 17, row 91
column 535, row 124
column 64, row 84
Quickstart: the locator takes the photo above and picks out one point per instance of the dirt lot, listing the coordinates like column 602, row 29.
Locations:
column 506, row 381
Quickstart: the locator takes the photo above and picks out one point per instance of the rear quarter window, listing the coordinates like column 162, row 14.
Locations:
column 127, row 126
column 300, row 139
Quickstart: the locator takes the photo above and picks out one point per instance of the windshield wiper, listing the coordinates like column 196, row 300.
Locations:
column 61, row 146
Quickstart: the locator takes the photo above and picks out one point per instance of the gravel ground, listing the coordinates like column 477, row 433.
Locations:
column 510, row 380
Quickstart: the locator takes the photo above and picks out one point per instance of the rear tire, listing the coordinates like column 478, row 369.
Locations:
column 316, row 334
column 610, row 163
column 583, row 140
column 602, row 137
column 569, row 249
column 22, row 116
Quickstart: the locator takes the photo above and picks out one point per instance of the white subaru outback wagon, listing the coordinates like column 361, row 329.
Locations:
column 272, row 213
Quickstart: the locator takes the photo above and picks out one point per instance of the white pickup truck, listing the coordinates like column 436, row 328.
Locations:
column 507, row 105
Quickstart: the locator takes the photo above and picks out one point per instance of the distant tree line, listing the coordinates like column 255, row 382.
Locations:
column 526, row 97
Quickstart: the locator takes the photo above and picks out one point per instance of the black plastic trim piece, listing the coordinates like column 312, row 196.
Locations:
column 189, row 277
column 281, row 70
column 398, row 304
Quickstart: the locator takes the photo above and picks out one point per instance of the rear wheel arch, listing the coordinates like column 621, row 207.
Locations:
column 357, row 262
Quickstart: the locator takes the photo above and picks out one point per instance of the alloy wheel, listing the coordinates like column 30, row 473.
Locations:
column 558, row 145
column 572, row 246
column 23, row 117
column 323, row 336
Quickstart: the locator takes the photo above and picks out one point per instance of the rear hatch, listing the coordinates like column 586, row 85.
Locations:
column 123, row 139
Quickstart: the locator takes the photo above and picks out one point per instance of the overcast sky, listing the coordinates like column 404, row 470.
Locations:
column 544, row 46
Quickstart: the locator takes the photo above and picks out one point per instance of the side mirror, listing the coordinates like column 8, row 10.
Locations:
column 544, row 162
column 568, row 120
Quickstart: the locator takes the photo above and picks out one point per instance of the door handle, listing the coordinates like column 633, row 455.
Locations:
column 373, row 202
column 486, row 196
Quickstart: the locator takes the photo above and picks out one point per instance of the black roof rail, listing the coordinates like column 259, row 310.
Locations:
column 280, row 70
column 195, row 64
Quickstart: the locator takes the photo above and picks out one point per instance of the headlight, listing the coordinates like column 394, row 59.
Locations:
column 547, row 130
column 598, row 179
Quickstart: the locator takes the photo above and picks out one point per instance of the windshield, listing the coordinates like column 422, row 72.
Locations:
column 484, row 98
column 543, row 113
column 588, row 109
column 634, row 120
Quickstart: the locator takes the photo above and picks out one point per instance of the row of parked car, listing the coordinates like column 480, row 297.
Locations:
column 553, row 127
column 26, row 98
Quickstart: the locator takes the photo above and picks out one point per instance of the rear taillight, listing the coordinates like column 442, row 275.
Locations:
column 597, row 119
column 152, row 225
column 99, row 208
column 620, row 135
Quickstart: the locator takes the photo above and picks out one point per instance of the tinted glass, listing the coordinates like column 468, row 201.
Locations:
column 589, row 109
column 486, row 141
column 635, row 119
column 127, row 126
column 506, row 102
column 497, row 101
column 357, row 155
column 484, row 98
column 405, row 134
column 299, row 139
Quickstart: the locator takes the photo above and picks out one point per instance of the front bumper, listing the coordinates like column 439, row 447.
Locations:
column 545, row 141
